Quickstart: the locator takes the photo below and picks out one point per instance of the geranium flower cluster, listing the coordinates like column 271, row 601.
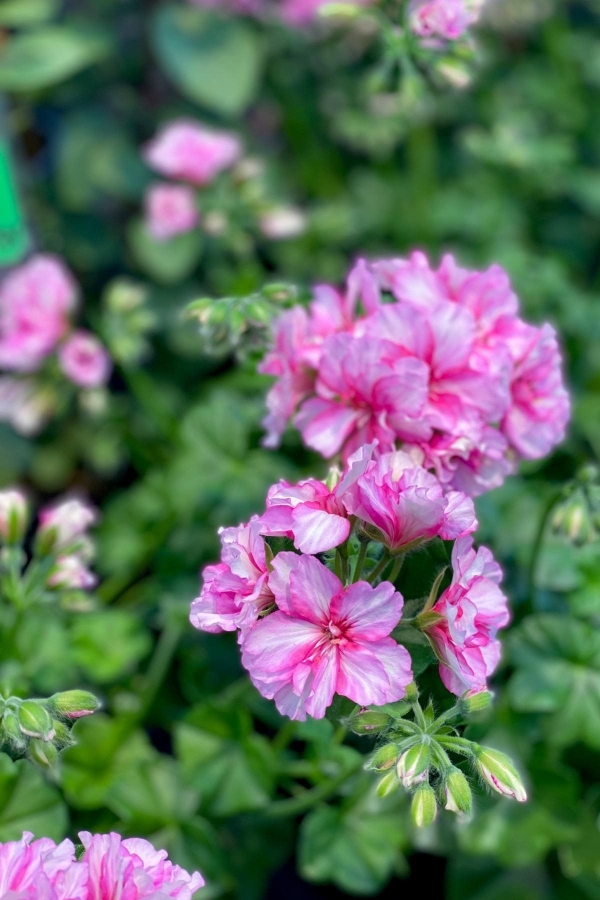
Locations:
column 111, row 868
column 312, row 623
column 437, row 361
column 194, row 155
column 37, row 302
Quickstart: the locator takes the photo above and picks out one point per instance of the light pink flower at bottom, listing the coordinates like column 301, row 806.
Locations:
column 170, row 210
column 326, row 639
column 84, row 360
column 41, row 870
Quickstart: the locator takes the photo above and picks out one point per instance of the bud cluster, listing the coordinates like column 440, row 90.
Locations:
column 417, row 755
column 39, row 729
column 577, row 514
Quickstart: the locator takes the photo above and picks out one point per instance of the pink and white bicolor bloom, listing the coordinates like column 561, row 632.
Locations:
column 235, row 590
column 41, row 870
column 326, row 639
column 189, row 151
column 71, row 573
column 473, row 609
column 443, row 19
column 84, row 360
column 35, row 302
column 69, row 518
column 404, row 505
column 14, row 510
column 170, row 209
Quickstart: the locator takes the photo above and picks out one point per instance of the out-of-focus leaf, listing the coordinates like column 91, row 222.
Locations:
column 108, row 643
column 167, row 261
column 45, row 56
column 28, row 803
column 15, row 13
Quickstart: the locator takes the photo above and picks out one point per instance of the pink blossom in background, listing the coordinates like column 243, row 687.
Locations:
column 326, row 639
column 71, row 572
column 446, row 19
column 190, row 151
column 70, row 518
column 13, row 508
column 35, row 302
column 405, row 504
column 282, row 223
column 24, row 405
column 84, row 360
column 473, row 610
column 170, row 209
column 235, row 590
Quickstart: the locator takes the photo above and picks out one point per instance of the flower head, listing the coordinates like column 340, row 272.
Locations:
column 69, row 518
column 171, row 209
column 190, row 151
column 84, row 360
column 446, row 19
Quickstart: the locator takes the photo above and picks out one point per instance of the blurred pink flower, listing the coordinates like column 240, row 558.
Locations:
column 446, row 19
column 170, row 209
column 14, row 510
column 84, row 360
column 71, row 572
column 235, row 590
column 326, row 639
column 35, row 301
column 70, row 518
column 405, row 504
column 473, row 609
column 190, row 151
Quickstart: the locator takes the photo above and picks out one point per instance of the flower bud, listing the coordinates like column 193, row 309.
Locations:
column 458, row 792
column 387, row 785
column 412, row 693
column 384, row 758
column 476, row 702
column 413, row 765
column 35, row 721
column 424, row 806
column 368, row 722
column 73, row 704
column 13, row 515
column 11, row 731
column 498, row 771
column 43, row 753
column 62, row 735
column 65, row 522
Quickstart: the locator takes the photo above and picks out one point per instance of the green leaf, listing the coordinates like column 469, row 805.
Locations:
column 166, row 261
column 215, row 62
column 28, row 803
column 44, row 57
column 108, row 643
column 151, row 795
column 558, row 673
column 14, row 13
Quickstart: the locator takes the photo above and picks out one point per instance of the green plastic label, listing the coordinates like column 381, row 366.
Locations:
column 14, row 239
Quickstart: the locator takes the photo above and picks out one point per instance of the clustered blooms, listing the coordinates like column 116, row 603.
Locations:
column 435, row 360
column 37, row 302
column 111, row 868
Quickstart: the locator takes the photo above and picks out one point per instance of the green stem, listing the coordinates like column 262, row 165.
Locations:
column 378, row 570
column 456, row 745
column 284, row 736
column 395, row 569
column 360, row 561
column 539, row 541
column 445, row 717
column 159, row 666
column 295, row 806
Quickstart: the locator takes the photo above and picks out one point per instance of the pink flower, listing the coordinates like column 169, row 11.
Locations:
column 473, row 466
column 132, row 869
column 236, row 590
column 170, row 209
column 191, row 152
column 540, row 407
column 405, row 505
column 40, row 870
column 447, row 19
column 22, row 404
column 14, row 512
column 326, row 639
column 473, row 609
column 84, row 360
column 35, row 302
column 71, row 572
column 70, row 519
column 366, row 391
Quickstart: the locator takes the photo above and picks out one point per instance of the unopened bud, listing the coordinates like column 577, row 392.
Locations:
column 384, row 758
column 427, row 620
column 387, row 785
column 35, row 721
column 413, row 765
column 73, row 704
column 368, row 722
column 13, row 515
column 458, row 792
column 476, row 702
column 333, row 477
column 11, row 731
column 346, row 10
column 43, row 753
column 62, row 735
column 498, row 771
column 424, row 806
column 412, row 693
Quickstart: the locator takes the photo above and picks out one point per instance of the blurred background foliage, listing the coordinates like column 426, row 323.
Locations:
column 504, row 168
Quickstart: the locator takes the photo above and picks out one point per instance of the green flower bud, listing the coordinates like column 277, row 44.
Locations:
column 412, row 693
column 368, row 722
column 10, row 731
column 497, row 770
column 14, row 513
column 43, row 753
column 458, row 792
column 384, row 758
column 73, row 704
column 62, row 735
column 476, row 702
column 35, row 721
column 424, row 806
column 387, row 785
column 413, row 765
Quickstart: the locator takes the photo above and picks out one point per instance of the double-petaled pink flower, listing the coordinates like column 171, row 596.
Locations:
column 110, row 869
column 326, row 639
column 189, row 151
column 84, row 360
column 443, row 19
column 170, row 209
column 472, row 611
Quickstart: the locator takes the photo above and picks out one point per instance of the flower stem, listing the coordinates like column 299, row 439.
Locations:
column 539, row 541
column 378, row 570
column 396, row 569
column 295, row 806
column 360, row 561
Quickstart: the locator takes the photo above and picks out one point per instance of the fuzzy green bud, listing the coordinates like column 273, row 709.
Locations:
column 424, row 806
column 10, row 731
column 497, row 770
column 73, row 704
column 35, row 721
column 476, row 702
column 368, row 722
column 387, row 785
column 384, row 758
column 62, row 735
column 413, row 765
column 43, row 753
column 458, row 792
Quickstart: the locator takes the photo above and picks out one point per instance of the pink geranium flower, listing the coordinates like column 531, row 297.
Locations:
column 69, row 518
column 41, row 870
column 405, row 505
column 326, row 639
column 446, row 19
column 170, row 210
column 473, row 609
column 84, row 360
column 190, row 151
column 35, row 301
column 235, row 590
